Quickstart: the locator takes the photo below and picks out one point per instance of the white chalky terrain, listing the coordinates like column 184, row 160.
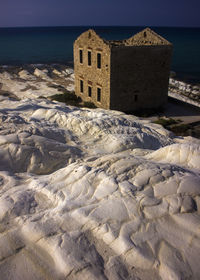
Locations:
column 95, row 194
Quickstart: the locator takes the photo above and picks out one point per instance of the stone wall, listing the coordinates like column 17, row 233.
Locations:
column 139, row 77
column 91, row 75
column 132, row 77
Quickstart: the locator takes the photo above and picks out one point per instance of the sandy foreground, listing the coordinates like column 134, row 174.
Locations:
column 92, row 193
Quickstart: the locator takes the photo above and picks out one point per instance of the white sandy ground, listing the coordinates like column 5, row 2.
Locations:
column 28, row 85
column 95, row 194
column 183, row 98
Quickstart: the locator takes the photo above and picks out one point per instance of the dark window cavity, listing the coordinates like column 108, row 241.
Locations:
column 89, row 91
column 89, row 58
column 98, row 60
column 136, row 98
column 81, row 86
column 81, row 56
column 99, row 94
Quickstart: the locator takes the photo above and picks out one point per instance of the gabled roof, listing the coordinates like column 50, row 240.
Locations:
column 91, row 35
column 146, row 37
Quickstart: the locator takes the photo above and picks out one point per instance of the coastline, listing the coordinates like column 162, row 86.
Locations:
column 178, row 89
column 54, row 44
column 187, row 92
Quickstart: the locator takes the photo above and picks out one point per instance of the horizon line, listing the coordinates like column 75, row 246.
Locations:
column 50, row 26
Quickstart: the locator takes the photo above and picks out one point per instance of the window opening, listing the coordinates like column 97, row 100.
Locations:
column 81, row 56
column 98, row 60
column 81, row 86
column 89, row 58
column 99, row 94
column 89, row 91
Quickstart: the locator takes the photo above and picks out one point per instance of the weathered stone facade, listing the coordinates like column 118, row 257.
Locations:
column 125, row 75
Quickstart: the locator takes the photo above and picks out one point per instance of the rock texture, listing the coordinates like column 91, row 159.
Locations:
column 94, row 194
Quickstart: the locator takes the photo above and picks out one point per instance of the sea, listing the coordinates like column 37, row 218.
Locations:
column 48, row 45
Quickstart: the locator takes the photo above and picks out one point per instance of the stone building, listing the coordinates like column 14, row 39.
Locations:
column 126, row 75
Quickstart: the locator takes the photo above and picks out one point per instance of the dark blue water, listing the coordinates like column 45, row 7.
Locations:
column 55, row 45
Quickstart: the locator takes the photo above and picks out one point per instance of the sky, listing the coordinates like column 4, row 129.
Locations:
column 182, row 13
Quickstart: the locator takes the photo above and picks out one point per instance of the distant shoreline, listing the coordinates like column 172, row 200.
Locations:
column 178, row 76
column 49, row 45
column 178, row 89
column 23, row 65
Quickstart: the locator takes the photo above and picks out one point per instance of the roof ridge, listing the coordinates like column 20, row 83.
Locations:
column 135, row 40
column 95, row 33
column 139, row 39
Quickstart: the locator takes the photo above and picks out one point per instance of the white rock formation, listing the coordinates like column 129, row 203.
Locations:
column 30, row 86
column 41, row 74
column 95, row 194
column 24, row 74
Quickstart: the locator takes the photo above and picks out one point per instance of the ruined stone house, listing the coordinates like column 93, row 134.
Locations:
column 126, row 75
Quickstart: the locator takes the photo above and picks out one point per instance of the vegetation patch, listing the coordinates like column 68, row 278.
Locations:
column 166, row 123
column 68, row 98
column 90, row 105
column 181, row 129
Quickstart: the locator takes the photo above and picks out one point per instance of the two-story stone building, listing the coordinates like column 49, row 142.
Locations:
column 125, row 75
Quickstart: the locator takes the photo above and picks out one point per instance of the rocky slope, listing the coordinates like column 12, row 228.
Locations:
column 93, row 194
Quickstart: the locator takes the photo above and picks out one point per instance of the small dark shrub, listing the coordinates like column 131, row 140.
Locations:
column 89, row 105
column 166, row 122
column 180, row 129
column 68, row 98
